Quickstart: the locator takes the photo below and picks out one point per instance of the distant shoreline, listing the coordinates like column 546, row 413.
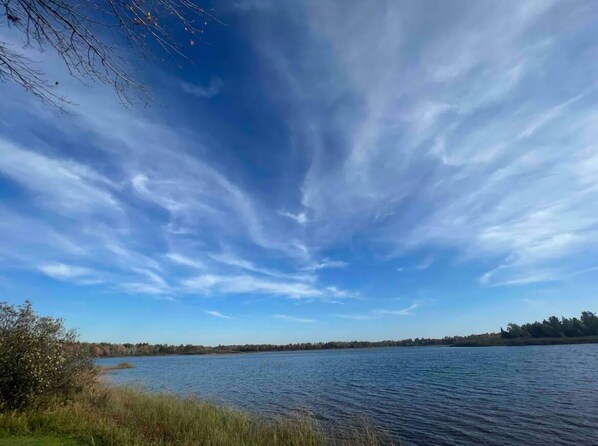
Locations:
column 551, row 331
column 520, row 342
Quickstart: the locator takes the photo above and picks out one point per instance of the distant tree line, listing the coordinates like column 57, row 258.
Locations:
column 104, row 349
column 543, row 332
column 553, row 327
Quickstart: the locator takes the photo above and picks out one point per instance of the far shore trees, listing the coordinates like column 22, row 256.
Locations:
column 553, row 327
column 551, row 331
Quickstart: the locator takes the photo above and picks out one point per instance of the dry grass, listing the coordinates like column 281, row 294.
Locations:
column 125, row 417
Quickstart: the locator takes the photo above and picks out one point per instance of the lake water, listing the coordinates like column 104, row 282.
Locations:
column 537, row 395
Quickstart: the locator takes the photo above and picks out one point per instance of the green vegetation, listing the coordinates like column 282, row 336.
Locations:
column 125, row 417
column 37, row 441
column 49, row 396
column 40, row 361
column 551, row 331
column 553, row 327
column 520, row 342
column 121, row 366
column 104, row 349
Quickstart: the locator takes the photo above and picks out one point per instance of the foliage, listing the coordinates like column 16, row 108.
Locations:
column 104, row 349
column 556, row 330
column 124, row 417
column 85, row 33
column 553, row 327
column 40, row 361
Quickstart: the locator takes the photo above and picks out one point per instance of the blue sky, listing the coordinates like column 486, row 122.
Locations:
column 322, row 171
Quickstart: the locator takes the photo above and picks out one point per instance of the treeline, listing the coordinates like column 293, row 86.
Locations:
column 104, row 349
column 553, row 327
column 550, row 331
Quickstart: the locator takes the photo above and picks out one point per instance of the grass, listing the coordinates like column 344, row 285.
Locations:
column 37, row 441
column 104, row 416
column 121, row 366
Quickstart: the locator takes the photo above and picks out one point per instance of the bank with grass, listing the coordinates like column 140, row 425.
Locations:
column 104, row 416
column 51, row 393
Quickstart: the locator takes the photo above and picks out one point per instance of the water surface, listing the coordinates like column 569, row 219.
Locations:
column 531, row 395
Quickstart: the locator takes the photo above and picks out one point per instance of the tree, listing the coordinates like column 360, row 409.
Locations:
column 85, row 35
column 40, row 361
column 516, row 331
column 590, row 321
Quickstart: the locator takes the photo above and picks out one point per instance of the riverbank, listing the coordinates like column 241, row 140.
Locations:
column 492, row 340
column 554, row 330
column 104, row 416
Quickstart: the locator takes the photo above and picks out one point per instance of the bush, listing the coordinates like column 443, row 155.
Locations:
column 40, row 360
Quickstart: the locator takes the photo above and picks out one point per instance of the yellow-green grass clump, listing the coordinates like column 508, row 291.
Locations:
column 103, row 416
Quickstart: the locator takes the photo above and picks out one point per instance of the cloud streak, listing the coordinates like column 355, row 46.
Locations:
column 218, row 314
column 208, row 284
column 378, row 313
column 294, row 319
column 360, row 151
column 456, row 152
column 73, row 273
column 211, row 90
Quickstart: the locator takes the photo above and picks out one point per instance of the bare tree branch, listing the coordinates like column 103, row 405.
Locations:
column 85, row 35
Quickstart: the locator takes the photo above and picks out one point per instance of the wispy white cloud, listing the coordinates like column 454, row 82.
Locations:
column 218, row 314
column 300, row 218
column 324, row 264
column 247, row 284
column 184, row 260
column 64, row 185
column 209, row 91
column 378, row 312
column 338, row 292
column 425, row 263
column 294, row 319
column 402, row 312
column 152, row 276
column 23, row 235
column 229, row 259
column 549, row 115
column 456, row 153
column 72, row 273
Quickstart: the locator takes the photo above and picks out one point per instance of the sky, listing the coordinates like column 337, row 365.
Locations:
column 322, row 170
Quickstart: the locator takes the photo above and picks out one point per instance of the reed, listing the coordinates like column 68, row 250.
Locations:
column 104, row 416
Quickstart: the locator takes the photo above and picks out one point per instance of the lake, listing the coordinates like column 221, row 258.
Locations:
column 531, row 395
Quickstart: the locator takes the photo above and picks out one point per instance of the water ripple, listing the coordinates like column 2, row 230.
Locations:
column 424, row 396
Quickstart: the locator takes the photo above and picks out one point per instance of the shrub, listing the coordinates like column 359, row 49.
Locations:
column 40, row 360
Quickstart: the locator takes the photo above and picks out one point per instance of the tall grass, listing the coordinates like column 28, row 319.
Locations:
column 104, row 416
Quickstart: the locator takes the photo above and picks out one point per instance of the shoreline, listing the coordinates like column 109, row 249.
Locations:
column 524, row 342
column 521, row 342
column 113, row 415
